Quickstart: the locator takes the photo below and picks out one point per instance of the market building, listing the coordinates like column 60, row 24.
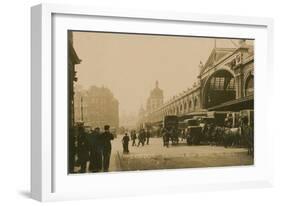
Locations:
column 225, row 83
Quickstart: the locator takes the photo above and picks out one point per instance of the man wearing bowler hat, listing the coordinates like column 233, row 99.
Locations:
column 106, row 138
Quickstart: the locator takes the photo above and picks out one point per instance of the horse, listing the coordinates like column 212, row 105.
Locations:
column 219, row 135
column 232, row 137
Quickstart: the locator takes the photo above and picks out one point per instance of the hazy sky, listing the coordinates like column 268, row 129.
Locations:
column 130, row 64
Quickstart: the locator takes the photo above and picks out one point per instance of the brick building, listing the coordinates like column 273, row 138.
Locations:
column 97, row 107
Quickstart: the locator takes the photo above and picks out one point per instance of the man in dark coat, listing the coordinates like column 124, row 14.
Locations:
column 247, row 133
column 141, row 137
column 147, row 136
column 125, row 142
column 133, row 137
column 95, row 151
column 166, row 136
column 106, row 138
column 83, row 149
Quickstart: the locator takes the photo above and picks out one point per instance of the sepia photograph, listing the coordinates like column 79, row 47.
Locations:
column 140, row 102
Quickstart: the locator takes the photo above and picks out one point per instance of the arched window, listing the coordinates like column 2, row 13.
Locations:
column 189, row 105
column 195, row 103
column 220, row 88
column 249, row 86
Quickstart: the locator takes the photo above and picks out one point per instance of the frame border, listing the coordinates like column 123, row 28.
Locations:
column 41, row 78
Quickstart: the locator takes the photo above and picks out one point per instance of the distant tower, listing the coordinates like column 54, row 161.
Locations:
column 155, row 99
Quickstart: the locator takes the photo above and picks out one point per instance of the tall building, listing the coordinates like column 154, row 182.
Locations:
column 97, row 107
column 155, row 99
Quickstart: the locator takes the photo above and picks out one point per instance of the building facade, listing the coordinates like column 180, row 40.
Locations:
column 97, row 107
column 225, row 83
column 73, row 60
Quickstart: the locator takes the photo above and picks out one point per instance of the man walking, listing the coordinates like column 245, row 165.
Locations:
column 133, row 137
column 125, row 142
column 141, row 137
column 106, row 138
column 147, row 136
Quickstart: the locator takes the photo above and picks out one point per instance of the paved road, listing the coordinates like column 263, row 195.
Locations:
column 155, row 156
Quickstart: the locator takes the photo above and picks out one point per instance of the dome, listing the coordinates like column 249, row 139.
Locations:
column 156, row 92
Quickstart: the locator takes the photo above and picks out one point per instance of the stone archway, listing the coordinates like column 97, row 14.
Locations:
column 195, row 103
column 190, row 105
column 219, row 88
column 249, row 85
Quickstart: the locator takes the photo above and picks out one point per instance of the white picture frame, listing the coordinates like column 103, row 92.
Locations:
column 49, row 178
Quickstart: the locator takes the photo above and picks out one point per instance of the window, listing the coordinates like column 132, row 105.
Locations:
column 249, row 89
column 222, row 83
column 231, row 85
column 195, row 103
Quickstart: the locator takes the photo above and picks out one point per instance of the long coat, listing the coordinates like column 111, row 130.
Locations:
column 106, row 138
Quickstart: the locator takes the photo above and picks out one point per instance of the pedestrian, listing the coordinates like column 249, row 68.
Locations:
column 125, row 142
column 166, row 136
column 141, row 137
column 247, row 134
column 133, row 137
column 83, row 149
column 95, row 151
column 174, row 136
column 106, row 138
column 147, row 136
column 183, row 134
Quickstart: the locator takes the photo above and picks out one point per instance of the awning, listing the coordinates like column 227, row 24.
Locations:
column 192, row 114
column 235, row 105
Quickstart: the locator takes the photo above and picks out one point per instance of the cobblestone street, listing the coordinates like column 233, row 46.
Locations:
column 155, row 156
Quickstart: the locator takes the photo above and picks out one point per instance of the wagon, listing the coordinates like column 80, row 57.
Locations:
column 193, row 130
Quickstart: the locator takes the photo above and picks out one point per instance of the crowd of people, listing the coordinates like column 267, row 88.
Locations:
column 94, row 146
column 142, row 137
